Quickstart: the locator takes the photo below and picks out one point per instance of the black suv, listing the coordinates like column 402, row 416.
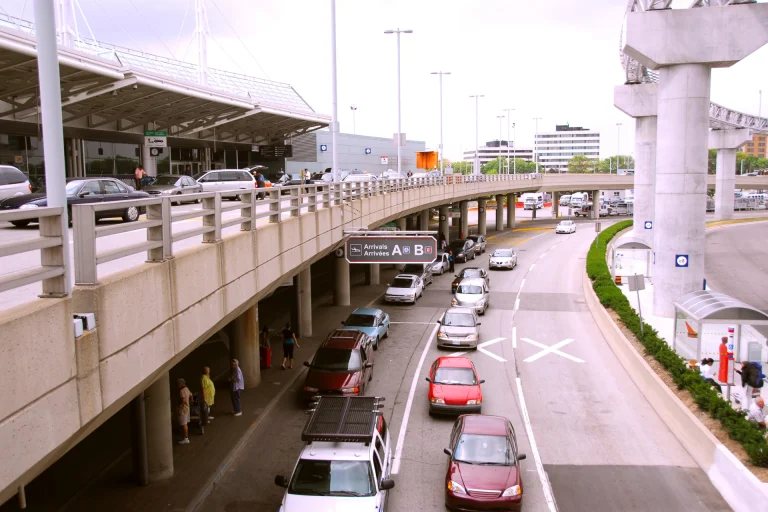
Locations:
column 463, row 250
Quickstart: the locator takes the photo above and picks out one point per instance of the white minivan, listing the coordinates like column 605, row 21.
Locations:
column 225, row 179
column 13, row 182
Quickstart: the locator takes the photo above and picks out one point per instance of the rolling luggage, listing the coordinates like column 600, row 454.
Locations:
column 265, row 354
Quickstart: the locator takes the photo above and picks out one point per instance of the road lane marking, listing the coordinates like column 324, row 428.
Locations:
column 514, row 337
column 522, row 284
column 517, row 302
column 550, row 349
column 531, row 267
column 409, row 403
column 481, row 348
column 489, row 342
column 546, row 486
column 456, row 354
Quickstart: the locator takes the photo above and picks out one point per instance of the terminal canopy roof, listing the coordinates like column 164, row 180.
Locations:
column 709, row 306
column 111, row 88
column 631, row 242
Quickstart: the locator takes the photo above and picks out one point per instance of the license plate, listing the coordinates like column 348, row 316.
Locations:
column 456, row 342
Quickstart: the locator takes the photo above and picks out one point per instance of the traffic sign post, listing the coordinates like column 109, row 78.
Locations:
column 391, row 249
column 637, row 283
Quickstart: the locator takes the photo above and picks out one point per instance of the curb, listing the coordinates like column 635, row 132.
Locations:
column 740, row 488
column 232, row 456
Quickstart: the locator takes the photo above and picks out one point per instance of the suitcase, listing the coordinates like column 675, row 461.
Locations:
column 265, row 355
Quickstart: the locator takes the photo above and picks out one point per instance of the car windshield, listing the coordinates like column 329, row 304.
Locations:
column 198, row 175
column 484, row 450
column 471, row 272
column 503, row 254
column 166, row 180
column 332, row 478
column 361, row 320
column 337, row 359
column 402, row 283
column 474, row 238
column 413, row 269
column 459, row 320
column 73, row 186
column 455, row 376
column 470, row 289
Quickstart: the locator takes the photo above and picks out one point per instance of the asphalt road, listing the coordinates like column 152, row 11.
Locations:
column 595, row 439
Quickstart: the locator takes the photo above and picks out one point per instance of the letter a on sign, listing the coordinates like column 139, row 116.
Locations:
column 396, row 250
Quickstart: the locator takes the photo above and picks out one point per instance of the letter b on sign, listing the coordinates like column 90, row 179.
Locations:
column 418, row 250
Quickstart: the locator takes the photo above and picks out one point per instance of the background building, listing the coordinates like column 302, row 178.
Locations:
column 553, row 150
column 758, row 147
column 495, row 148
column 373, row 154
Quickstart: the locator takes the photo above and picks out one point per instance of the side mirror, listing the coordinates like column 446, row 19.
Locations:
column 369, row 365
column 521, row 456
column 343, row 322
column 482, row 381
column 447, row 451
column 82, row 195
column 306, row 363
column 281, row 481
column 479, row 323
column 428, row 379
column 387, row 484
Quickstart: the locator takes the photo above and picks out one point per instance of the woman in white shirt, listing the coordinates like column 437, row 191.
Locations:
column 706, row 371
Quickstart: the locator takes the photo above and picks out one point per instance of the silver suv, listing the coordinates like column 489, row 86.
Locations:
column 13, row 182
column 458, row 328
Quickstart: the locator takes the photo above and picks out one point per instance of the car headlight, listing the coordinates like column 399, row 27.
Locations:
column 474, row 402
column 456, row 487
column 471, row 336
column 28, row 206
column 311, row 390
column 481, row 302
column 511, row 491
column 454, row 302
column 441, row 334
column 350, row 390
column 436, row 400
column 167, row 192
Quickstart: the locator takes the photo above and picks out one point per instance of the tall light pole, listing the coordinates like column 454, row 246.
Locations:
column 335, row 171
column 477, row 97
column 514, row 160
column 353, row 108
column 441, row 73
column 535, row 141
column 618, row 147
column 509, row 116
column 399, row 144
column 500, row 118
column 760, row 104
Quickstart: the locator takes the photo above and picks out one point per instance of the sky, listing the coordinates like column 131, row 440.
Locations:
column 553, row 59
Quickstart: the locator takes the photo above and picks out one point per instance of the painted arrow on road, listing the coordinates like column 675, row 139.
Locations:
column 481, row 348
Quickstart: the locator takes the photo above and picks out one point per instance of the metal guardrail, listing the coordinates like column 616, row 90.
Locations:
column 48, row 241
column 160, row 221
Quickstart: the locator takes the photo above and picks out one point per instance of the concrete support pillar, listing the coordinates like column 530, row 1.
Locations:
column 139, row 440
column 464, row 220
column 444, row 222
column 499, row 212
column 305, row 302
column 374, row 274
column 341, row 292
column 245, row 345
column 555, row 205
column 481, row 211
column 533, row 212
column 148, row 161
column 511, row 201
column 424, row 220
column 640, row 101
column 402, row 224
column 726, row 142
column 157, row 406
column 595, row 212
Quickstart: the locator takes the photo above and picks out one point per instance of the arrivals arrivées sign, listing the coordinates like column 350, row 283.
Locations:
column 391, row 249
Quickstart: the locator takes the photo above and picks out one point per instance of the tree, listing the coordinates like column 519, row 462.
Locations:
column 608, row 165
column 580, row 164
column 491, row 167
column 461, row 167
column 712, row 163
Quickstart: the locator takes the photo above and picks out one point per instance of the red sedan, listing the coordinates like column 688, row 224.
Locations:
column 454, row 387
column 483, row 470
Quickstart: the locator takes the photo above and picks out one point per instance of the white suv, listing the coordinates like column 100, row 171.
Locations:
column 345, row 467
column 226, row 179
column 13, row 182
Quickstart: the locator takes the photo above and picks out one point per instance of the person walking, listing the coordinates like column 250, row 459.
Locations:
column 451, row 268
column 138, row 175
column 237, row 384
column 260, row 183
column 289, row 341
column 209, row 391
column 182, row 411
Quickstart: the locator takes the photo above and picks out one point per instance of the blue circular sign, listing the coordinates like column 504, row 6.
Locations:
column 368, row 151
column 323, row 147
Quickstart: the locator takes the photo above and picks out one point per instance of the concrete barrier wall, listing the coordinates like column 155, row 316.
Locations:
column 739, row 487
column 58, row 389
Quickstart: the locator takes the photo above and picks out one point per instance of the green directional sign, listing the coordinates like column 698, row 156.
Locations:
column 156, row 133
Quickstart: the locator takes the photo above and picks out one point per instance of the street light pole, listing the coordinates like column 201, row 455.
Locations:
column 441, row 73
column 535, row 142
column 514, row 137
column 618, row 147
column 477, row 97
column 399, row 144
column 334, row 107
column 353, row 108
column 509, row 116
column 500, row 118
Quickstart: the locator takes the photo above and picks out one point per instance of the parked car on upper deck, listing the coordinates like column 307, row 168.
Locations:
column 13, row 182
column 174, row 185
column 226, row 179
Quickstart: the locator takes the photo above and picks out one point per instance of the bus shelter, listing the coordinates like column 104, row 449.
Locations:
column 631, row 255
column 704, row 317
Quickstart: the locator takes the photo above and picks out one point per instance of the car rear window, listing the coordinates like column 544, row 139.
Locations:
column 455, row 376
column 11, row 176
column 503, row 254
column 459, row 320
column 413, row 269
column 470, row 289
column 402, row 283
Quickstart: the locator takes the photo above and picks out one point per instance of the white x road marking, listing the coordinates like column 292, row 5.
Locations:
column 481, row 349
column 553, row 349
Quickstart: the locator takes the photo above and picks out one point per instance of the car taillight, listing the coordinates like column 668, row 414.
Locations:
column 29, row 185
column 255, row 184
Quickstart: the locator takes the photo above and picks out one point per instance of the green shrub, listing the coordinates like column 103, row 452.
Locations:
column 732, row 421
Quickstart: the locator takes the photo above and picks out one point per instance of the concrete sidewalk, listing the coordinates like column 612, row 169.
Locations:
column 198, row 464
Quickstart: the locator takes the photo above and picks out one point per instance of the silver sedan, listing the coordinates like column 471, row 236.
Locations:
column 441, row 264
column 503, row 258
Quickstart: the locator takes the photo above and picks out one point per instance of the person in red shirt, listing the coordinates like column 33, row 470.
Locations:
column 722, row 374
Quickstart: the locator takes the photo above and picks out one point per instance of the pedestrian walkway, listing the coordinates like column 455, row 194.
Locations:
column 197, row 464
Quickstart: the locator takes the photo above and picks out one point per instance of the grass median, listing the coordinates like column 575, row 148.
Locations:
column 732, row 421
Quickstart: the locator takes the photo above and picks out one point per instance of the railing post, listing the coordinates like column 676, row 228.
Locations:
column 358, row 190
column 250, row 212
column 312, row 199
column 54, row 287
column 326, row 192
column 212, row 219
column 274, row 206
column 84, row 238
column 162, row 212
column 296, row 202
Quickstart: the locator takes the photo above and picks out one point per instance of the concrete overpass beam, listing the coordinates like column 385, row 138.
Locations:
column 481, row 211
column 444, row 224
column 245, row 345
column 726, row 142
column 499, row 212
column 341, row 293
column 157, row 404
column 305, row 302
column 640, row 101
column 511, row 200
column 464, row 221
